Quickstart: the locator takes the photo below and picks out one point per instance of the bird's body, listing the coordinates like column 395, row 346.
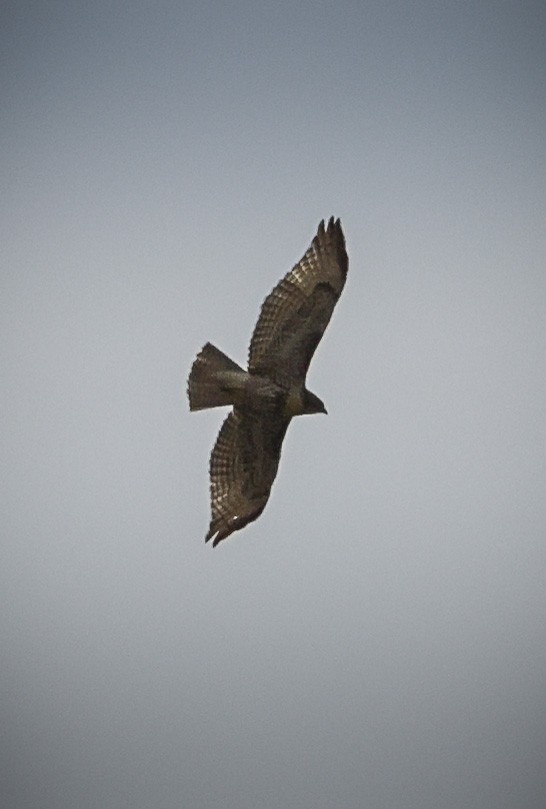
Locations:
column 292, row 319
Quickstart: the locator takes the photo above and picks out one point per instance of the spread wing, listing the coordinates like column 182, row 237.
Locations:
column 243, row 466
column 295, row 314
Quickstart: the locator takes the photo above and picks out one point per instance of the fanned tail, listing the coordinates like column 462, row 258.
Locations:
column 208, row 379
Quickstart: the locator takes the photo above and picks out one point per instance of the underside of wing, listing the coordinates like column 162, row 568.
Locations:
column 243, row 466
column 295, row 314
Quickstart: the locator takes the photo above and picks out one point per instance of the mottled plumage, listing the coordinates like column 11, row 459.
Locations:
column 292, row 320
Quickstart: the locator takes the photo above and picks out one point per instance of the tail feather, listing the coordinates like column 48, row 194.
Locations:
column 206, row 383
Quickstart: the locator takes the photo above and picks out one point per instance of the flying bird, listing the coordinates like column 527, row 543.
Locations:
column 292, row 320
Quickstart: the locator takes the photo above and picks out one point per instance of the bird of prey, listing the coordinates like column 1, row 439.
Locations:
column 292, row 320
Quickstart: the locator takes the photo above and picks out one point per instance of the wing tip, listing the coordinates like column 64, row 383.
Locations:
column 333, row 227
column 332, row 234
column 217, row 533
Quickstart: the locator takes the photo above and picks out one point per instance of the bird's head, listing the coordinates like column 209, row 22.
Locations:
column 312, row 403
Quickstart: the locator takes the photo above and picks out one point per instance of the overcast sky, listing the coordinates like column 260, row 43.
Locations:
column 377, row 639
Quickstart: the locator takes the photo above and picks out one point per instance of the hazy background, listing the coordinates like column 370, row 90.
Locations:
column 377, row 639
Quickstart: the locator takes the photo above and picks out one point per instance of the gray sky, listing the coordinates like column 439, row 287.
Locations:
column 377, row 638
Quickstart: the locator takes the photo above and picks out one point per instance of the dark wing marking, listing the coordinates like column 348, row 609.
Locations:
column 295, row 314
column 243, row 466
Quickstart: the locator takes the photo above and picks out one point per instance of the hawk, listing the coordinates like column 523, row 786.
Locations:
column 292, row 320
